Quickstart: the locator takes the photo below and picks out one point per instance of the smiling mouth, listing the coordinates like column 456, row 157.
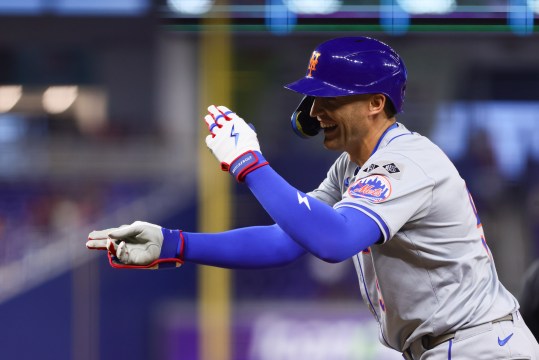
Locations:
column 328, row 128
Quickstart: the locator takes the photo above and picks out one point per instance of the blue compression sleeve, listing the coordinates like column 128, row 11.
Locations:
column 251, row 247
column 331, row 235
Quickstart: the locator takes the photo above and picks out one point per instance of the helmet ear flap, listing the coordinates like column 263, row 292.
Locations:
column 303, row 124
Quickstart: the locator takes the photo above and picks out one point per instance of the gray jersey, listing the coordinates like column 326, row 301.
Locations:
column 433, row 273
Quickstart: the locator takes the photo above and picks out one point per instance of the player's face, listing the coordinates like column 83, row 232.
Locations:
column 343, row 120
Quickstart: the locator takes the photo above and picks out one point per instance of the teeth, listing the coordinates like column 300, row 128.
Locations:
column 327, row 126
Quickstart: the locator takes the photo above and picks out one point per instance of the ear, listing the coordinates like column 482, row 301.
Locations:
column 377, row 103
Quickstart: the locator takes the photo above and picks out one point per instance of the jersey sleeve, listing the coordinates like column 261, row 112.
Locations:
column 329, row 191
column 392, row 190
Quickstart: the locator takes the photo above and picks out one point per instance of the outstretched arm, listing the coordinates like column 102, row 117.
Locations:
column 145, row 245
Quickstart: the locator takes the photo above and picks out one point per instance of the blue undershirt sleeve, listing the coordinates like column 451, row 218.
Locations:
column 251, row 247
column 332, row 235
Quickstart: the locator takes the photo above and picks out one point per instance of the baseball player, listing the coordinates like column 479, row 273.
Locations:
column 392, row 201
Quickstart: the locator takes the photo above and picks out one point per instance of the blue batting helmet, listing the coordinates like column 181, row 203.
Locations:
column 351, row 66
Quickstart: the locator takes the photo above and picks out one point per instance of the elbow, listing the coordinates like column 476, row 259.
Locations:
column 287, row 254
column 336, row 250
column 330, row 251
column 330, row 256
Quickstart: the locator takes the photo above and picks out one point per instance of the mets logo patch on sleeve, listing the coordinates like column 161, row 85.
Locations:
column 375, row 188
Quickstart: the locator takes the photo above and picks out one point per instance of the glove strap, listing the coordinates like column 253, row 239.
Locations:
column 244, row 164
column 171, row 253
column 172, row 249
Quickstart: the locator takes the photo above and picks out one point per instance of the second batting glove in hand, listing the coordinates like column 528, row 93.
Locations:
column 233, row 142
column 140, row 245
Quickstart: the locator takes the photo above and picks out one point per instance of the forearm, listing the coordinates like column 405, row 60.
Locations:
column 251, row 247
column 332, row 235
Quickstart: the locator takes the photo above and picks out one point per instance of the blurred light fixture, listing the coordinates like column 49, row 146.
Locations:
column 57, row 99
column 534, row 6
column 427, row 6
column 191, row 7
column 9, row 96
column 313, row 6
column 90, row 110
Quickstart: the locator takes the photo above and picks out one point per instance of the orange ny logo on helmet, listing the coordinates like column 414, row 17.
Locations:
column 313, row 62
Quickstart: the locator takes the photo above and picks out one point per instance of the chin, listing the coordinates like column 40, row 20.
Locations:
column 328, row 144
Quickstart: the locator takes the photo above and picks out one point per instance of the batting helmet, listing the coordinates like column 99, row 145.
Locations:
column 351, row 66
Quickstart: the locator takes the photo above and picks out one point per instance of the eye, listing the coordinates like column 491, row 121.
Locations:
column 328, row 102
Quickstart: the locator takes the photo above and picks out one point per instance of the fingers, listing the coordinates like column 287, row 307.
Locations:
column 97, row 239
column 101, row 240
column 96, row 244
column 112, row 246
column 216, row 118
column 220, row 113
column 121, row 250
column 211, row 124
column 100, row 234
column 227, row 113
column 132, row 255
column 122, row 253
column 126, row 231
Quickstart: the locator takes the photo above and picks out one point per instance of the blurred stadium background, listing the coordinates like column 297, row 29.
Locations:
column 100, row 108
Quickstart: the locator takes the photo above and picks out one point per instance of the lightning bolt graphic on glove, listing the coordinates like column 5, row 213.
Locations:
column 236, row 135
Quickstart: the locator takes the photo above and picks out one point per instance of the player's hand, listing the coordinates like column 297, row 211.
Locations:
column 233, row 142
column 139, row 245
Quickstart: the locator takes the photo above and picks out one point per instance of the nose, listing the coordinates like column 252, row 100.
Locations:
column 316, row 109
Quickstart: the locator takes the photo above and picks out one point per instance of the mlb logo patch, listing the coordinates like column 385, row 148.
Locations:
column 391, row 168
column 375, row 188
column 370, row 168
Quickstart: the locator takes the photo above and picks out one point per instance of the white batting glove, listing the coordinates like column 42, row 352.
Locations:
column 233, row 142
column 139, row 245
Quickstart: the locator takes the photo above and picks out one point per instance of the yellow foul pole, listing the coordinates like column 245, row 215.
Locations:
column 214, row 192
